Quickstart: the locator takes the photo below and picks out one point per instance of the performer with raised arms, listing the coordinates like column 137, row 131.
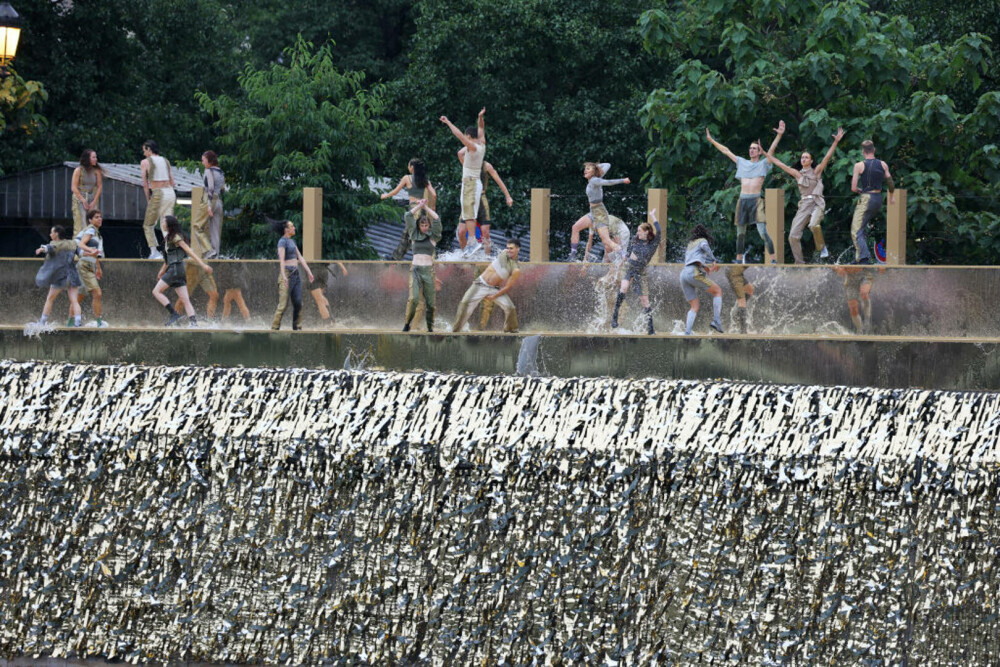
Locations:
column 474, row 141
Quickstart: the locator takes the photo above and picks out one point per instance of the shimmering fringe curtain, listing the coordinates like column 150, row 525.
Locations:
column 246, row 515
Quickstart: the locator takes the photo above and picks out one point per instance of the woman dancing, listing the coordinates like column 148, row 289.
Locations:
column 172, row 273
column 418, row 187
column 811, row 203
column 698, row 262
column 88, row 180
column 59, row 273
column 598, row 216
column 474, row 141
column 289, row 282
column 640, row 252
column 425, row 236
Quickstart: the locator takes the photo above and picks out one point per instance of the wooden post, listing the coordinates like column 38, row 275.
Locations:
column 540, row 203
column 774, row 212
column 312, row 224
column 895, row 233
column 657, row 198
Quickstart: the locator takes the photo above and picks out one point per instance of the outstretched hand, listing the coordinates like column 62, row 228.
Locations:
column 708, row 135
column 839, row 134
column 444, row 119
column 781, row 127
column 482, row 112
column 626, row 180
column 652, row 213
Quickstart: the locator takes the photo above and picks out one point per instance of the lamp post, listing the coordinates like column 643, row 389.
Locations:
column 10, row 33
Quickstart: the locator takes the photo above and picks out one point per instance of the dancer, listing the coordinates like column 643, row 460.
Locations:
column 87, row 183
column 425, row 232
column 698, row 262
column 619, row 233
column 317, row 288
column 58, row 273
column 858, row 283
column 289, row 283
column 493, row 285
column 743, row 290
column 195, row 277
column 869, row 174
column 172, row 272
column 418, row 187
column 640, row 252
column 206, row 220
column 235, row 278
column 91, row 250
column 483, row 219
column 812, row 206
column 598, row 217
column 158, row 184
column 750, row 209
column 474, row 141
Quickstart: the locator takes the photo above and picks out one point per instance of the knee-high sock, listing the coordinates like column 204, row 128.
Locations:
column 690, row 320
column 866, row 308
column 717, row 308
column 618, row 303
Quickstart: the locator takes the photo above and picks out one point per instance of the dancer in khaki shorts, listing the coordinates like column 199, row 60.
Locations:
column 474, row 141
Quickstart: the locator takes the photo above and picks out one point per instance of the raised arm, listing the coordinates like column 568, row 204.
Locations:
column 432, row 196
column 829, row 153
column 722, row 149
column 395, row 190
column 499, row 181
column 604, row 182
column 481, row 123
column 468, row 143
column 656, row 224
column 794, row 173
column 780, row 130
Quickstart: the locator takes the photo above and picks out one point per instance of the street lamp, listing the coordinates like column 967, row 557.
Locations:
column 10, row 33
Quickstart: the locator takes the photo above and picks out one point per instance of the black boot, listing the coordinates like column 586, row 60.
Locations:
column 648, row 312
column 618, row 304
column 174, row 316
column 430, row 319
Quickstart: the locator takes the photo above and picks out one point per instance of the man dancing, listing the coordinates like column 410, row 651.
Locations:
column 750, row 209
column 869, row 174
column 493, row 285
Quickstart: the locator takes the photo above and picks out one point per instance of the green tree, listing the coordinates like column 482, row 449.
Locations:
column 20, row 105
column 301, row 123
column 562, row 83
column 818, row 66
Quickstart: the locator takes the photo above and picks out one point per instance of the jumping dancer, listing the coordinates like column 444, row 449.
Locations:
column 640, row 252
column 474, row 140
column 483, row 218
column 87, row 182
column 619, row 233
column 91, row 250
column 172, row 272
column 750, row 208
column 418, row 187
column 493, row 285
column 598, row 216
column 425, row 233
column 289, row 283
column 698, row 262
column 812, row 206
column 869, row 175
column 59, row 273
column 158, row 184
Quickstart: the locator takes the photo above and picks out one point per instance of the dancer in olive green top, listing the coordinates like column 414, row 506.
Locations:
column 88, row 180
column 418, row 187
column 172, row 273
column 425, row 233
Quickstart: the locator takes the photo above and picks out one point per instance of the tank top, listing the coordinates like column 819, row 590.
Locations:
column 160, row 169
column 175, row 253
column 88, row 180
column 872, row 177
column 414, row 192
column 472, row 166
column 504, row 265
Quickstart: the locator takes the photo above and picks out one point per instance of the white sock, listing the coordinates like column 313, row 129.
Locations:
column 690, row 320
column 717, row 308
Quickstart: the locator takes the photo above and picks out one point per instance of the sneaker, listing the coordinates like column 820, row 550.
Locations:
column 649, row 329
column 824, row 253
column 717, row 325
column 172, row 320
column 71, row 322
column 472, row 249
column 614, row 322
column 154, row 253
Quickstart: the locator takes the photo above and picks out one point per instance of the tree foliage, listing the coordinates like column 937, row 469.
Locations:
column 562, row 84
column 819, row 66
column 301, row 123
column 20, row 105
